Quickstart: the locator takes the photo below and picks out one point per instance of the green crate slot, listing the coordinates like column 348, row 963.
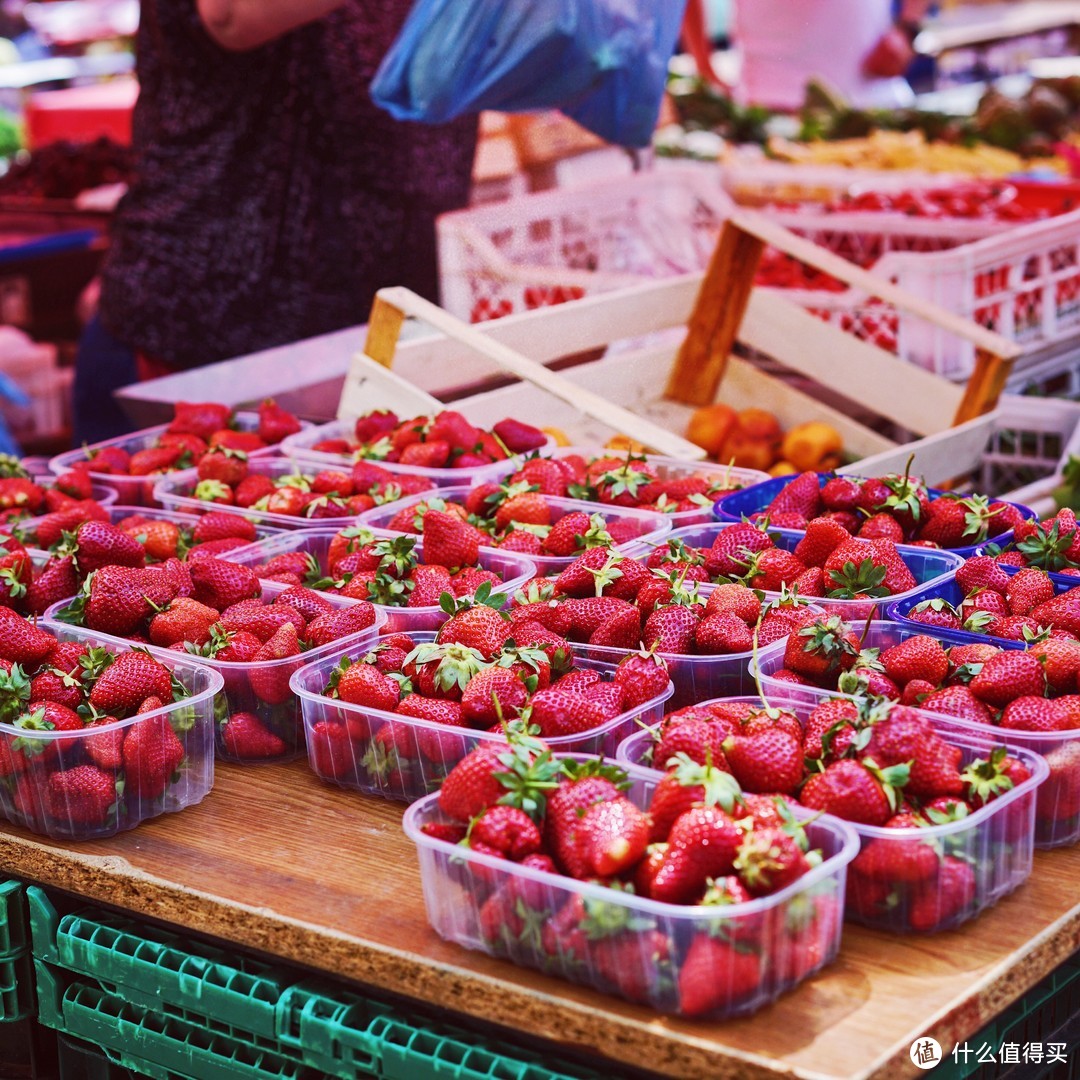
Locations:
column 79, row 1061
column 16, row 988
column 13, row 924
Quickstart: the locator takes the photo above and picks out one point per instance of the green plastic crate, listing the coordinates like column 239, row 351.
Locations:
column 250, row 1007
column 79, row 1061
column 1044, row 1009
column 13, row 925
column 16, row 988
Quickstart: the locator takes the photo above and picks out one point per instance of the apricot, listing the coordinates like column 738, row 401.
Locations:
column 812, row 447
column 760, row 424
column 710, row 426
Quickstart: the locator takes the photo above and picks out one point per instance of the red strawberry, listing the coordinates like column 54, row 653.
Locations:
column 365, row 685
column 918, row 657
column 22, row 642
column 152, row 753
column 981, row 572
column 217, row 525
column 199, row 418
column 102, row 544
column 1033, row 713
column 957, row 701
column 830, row 729
column 854, row 790
column 613, row 836
column 841, row 493
column 82, row 796
column 733, row 548
column 57, row 582
column 270, row 680
column 220, row 584
column 642, row 676
column 936, row 612
column 184, row 621
column 769, row 860
column 671, row 629
column 507, row 829
column 882, row 526
column 106, row 748
column 558, row 713
column 734, row 599
column 700, row 740
column 802, row 495
column 716, row 975
column 823, row 648
column 1010, row 674
column 822, row 537
column 938, row 903
column 223, row 465
column 770, row 761
column 516, row 774
column 492, row 696
column 689, row 784
column 933, row 764
column 702, row 844
column 448, row 541
column 128, row 681
column 1027, row 589
column 589, row 783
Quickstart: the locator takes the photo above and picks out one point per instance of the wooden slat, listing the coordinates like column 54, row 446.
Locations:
column 716, row 319
column 384, row 332
column 650, row 435
column 812, row 254
column 916, row 399
column 986, row 385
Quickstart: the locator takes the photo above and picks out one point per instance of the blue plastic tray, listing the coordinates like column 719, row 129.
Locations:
column 753, row 500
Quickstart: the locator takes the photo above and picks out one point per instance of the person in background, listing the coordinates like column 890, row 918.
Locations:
column 272, row 197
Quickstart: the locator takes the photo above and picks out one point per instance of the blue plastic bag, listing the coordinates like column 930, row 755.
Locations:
column 602, row 62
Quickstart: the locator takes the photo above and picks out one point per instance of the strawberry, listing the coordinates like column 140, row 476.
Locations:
column 558, row 713
column 506, row 829
column 985, row 779
column 251, row 490
column 612, row 836
column 261, row 621
column 918, row 657
column 855, row 790
column 1061, row 661
column 630, row 483
column 643, row 676
column 526, row 508
column 1027, row 589
column 896, row 861
column 701, row 740
column 821, row 538
column 155, row 460
column 773, row 568
column 128, row 681
column 822, row 648
column 160, row 539
column 801, row 495
column 22, row 642
column 275, row 423
column 1062, row 611
column 957, row 701
column 99, row 543
column 671, row 629
column 620, row 631
column 220, row 584
column 492, row 696
column 719, row 634
column 689, row 784
column 587, row 783
column 903, row 736
column 734, row 599
column 841, row 493
column 448, row 541
column 1009, row 675
column 702, row 844
column 769, row 860
column 716, row 975
column 106, row 748
column 953, row 521
column 306, row 601
column 881, row 526
column 184, row 620
column 939, row 903
column 82, row 796
column 981, row 572
column 936, row 612
column 217, row 525
column 365, row 685
column 152, row 753
column 247, row 441
column 199, row 418
column 635, row 963
column 770, row 761
column 475, row 626
column 1033, row 713
column 830, row 729
column 270, row 680
column 732, row 549
column 57, row 582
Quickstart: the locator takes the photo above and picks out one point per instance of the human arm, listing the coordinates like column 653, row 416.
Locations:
column 893, row 53
column 239, row 25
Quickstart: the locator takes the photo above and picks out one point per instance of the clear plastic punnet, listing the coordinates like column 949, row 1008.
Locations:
column 755, row 951
column 402, row 757
column 513, row 569
column 48, row 795
column 897, row 882
column 635, row 525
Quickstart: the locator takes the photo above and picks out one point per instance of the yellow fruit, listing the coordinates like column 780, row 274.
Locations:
column 760, row 424
column 747, row 452
column 622, row 442
column 812, row 447
column 783, row 468
column 710, row 426
column 560, row 436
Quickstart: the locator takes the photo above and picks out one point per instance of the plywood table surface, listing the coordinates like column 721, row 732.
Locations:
column 276, row 861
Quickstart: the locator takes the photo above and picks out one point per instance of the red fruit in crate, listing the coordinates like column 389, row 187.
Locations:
column 953, row 521
column 716, row 975
column 507, row 829
column 53, row 685
column 957, row 701
column 670, row 629
column 774, row 568
column 1062, row 612
column 307, row 602
column 184, row 621
column 368, row 428
column 986, row 779
column 1027, row 589
column 235, row 646
column 99, row 543
column 492, row 696
column 519, row 774
column 120, row 598
column 1003, row 517
column 580, row 617
column 942, row 900
column 734, row 599
column 128, row 680
column 76, row 482
column 635, row 963
column 824, row 647
column 720, row 634
column 213, row 491
column 801, row 495
column 152, row 753
column 621, row 631
column 1061, row 660
column 82, row 796
column 612, row 836
column 199, row 418
column 732, row 549
column 221, row 584
column 224, row 466
column 904, row 737
column 105, row 749
column 769, row 860
column 690, row 784
column 896, row 861
column 526, row 508
column 936, row 612
column 448, row 541
column 1032, row 713
column 870, row 900
column 919, row 657
column 702, row 844
column 246, row 737
column 252, row 489
column 331, row 750
column 365, row 685
column 981, row 572
column 855, row 790
column 155, row 460
column 699, row 739
column 160, row 539
column 558, row 713
column 270, row 680
column 246, row 441
column 768, row 762
column 476, row 627
column 823, row 536
column 276, row 423
column 830, row 729
column 882, row 526
column 841, row 493
column 261, row 621
column 1008, row 675
column 436, row 746
column 518, row 437
column 642, row 676
column 589, row 783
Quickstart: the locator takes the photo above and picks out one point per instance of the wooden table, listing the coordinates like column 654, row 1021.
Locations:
column 276, row 861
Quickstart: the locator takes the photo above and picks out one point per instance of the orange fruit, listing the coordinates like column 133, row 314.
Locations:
column 710, row 426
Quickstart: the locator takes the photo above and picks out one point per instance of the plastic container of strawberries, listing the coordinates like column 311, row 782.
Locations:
column 299, row 446
column 900, row 609
column 992, row 548
column 790, row 934
column 514, row 569
column 928, row 566
column 102, row 495
column 754, row 500
column 431, row 750
column 238, row 690
column 997, row 841
column 139, row 490
column 26, row 530
column 642, row 526
column 25, row 801
column 175, row 491
column 1057, row 805
column 669, row 468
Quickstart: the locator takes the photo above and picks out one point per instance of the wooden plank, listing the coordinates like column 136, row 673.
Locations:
column 717, row 317
column 822, row 259
column 276, row 861
column 593, row 404
column 986, row 385
column 918, row 400
column 368, row 385
column 384, row 331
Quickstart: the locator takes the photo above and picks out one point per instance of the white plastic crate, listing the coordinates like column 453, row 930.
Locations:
column 564, row 244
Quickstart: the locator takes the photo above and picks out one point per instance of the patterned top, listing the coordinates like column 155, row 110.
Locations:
column 273, row 197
